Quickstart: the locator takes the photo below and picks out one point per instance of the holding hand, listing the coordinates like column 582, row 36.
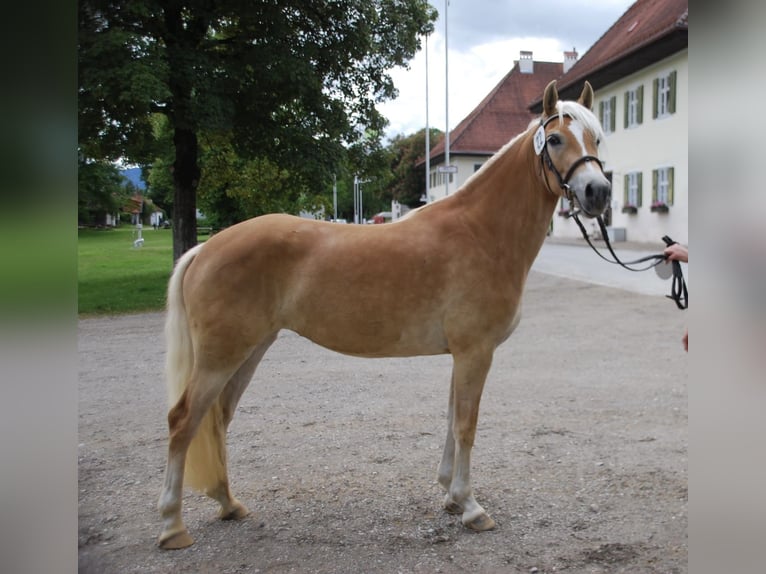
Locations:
column 676, row 252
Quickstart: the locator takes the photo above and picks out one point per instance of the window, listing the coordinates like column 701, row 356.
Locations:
column 632, row 195
column 477, row 167
column 664, row 100
column 662, row 187
column 606, row 112
column 439, row 178
column 634, row 107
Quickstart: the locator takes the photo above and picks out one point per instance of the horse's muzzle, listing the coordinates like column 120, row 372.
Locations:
column 595, row 198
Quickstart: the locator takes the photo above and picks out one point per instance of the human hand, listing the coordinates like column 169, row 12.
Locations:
column 676, row 252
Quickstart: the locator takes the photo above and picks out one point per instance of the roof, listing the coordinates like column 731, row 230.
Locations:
column 502, row 114
column 647, row 32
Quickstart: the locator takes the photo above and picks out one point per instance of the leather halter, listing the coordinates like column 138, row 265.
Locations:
column 679, row 293
column 545, row 160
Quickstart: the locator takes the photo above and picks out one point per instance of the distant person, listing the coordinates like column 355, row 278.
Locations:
column 678, row 252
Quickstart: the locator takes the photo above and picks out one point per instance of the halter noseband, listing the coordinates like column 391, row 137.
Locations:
column 545, row 160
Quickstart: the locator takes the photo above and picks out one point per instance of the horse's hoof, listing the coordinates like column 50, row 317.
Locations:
column 452, row 507
column 236, row 512
column 480, row 523
column 175, row 541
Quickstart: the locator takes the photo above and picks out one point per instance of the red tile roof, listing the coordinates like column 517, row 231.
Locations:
column 502, row 114
column 648, row 31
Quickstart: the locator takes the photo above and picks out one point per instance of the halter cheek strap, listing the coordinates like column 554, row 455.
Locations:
column 545, row 160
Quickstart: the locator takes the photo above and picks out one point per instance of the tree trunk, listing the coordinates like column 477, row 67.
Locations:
column 181, row 40
column 186, row 176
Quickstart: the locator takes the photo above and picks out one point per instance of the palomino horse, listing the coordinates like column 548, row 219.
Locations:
column 450, row 277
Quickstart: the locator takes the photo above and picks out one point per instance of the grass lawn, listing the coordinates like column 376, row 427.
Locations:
column 114, row 277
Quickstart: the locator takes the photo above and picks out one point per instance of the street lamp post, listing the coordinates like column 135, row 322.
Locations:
column 358, row 207
column 335, row 198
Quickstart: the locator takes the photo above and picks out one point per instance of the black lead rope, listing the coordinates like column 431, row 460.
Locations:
column 678, row 293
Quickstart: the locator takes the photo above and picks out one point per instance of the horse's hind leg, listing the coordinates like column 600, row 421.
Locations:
column 468, row 377
column 184, row 420
column 231, row 508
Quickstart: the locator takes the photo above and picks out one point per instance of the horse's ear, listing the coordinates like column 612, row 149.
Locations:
column 586, row 97
column 550, row 97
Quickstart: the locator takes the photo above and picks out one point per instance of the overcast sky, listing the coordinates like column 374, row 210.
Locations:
column 485, row 37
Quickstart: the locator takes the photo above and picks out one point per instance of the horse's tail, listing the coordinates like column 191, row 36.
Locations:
column 206, row 456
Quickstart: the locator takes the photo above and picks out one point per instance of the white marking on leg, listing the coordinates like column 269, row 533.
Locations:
column 169, row 503
column 448, row 456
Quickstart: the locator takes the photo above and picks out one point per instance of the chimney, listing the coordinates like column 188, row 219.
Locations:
column 570, row 58
column 526, row 64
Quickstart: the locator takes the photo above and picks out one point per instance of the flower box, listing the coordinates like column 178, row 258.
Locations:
column 659, row 208
column 631, row 209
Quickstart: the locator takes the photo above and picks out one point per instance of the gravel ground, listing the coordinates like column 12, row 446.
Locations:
column 580, row 456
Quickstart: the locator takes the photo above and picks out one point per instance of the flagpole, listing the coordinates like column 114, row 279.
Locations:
column 428, row 136
column 446, row 90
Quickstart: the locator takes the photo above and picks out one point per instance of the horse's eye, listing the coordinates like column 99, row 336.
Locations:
column 553, row 139
column 598, row 142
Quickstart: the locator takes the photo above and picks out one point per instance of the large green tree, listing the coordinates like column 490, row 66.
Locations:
column 295, row 82
column 407, row 184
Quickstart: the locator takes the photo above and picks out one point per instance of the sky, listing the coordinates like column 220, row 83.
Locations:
column 484, row 38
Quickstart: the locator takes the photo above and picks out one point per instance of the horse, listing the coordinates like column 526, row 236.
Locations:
column 450, row 276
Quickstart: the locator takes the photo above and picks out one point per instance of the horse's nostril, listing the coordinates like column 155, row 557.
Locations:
column 588, row 191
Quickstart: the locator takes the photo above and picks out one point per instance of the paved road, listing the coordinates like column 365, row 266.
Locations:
column 579, row 262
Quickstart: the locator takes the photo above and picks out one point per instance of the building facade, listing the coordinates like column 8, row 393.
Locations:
column 639, row 72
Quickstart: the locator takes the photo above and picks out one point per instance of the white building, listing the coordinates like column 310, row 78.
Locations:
column 639, row 70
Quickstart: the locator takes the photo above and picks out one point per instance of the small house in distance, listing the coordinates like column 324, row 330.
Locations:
column 500, row 116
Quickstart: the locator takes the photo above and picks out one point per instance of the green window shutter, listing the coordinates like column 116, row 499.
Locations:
column 640, row 96
column 670, row 185
column 625, row 115
column 625, row 190
column 655, row 175
column 638, row 198
column 672, row 99
column 601, row 113
column 614, row 112
column 656, row 85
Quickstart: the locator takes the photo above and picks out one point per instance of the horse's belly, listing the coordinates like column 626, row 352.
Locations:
column 371, row 335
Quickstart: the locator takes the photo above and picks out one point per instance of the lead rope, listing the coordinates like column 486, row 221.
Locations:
column 678, row 293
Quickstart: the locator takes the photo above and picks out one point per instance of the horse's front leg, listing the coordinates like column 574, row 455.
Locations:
column 447, row 465
column 468, row 376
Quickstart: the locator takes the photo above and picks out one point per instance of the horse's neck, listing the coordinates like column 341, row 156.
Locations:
column 509, row 205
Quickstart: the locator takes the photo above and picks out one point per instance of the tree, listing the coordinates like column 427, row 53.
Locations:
column 234, row 188
column 294, row 82
column 101, row 190
column 407, row 184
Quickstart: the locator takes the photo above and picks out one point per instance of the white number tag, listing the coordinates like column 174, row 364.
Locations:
column 539, row 140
